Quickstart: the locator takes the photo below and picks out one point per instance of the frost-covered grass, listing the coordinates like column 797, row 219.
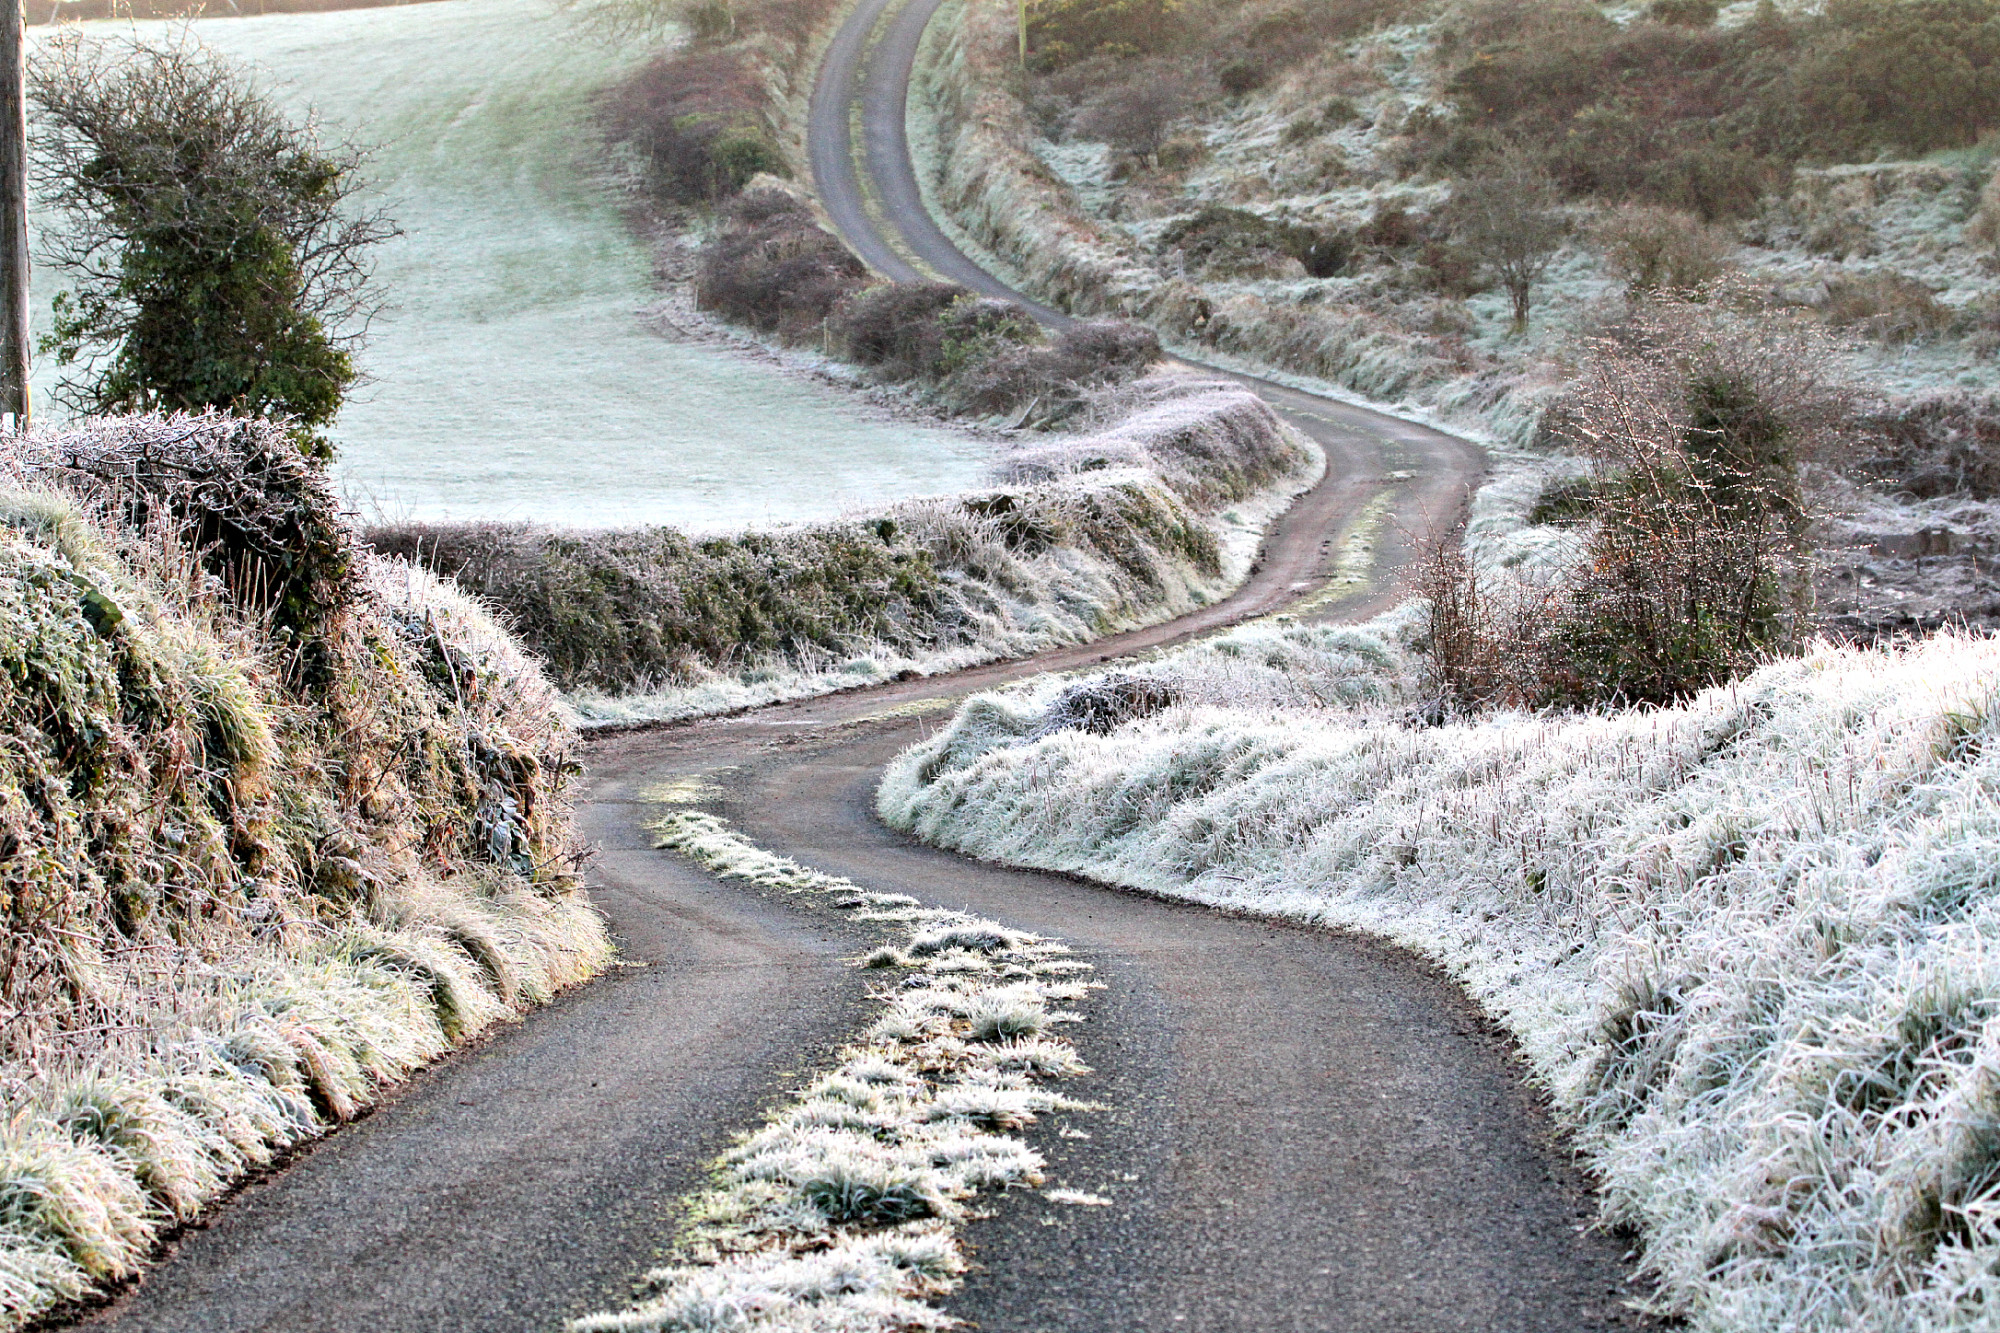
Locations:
column 839, row 1214
column 1747, row 943
column 515, row 373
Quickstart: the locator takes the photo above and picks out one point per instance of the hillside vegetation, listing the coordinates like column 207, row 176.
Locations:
column 279, row 820
column 1442, row 205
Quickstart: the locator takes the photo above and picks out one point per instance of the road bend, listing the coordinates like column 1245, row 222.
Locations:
column 1302, row 1130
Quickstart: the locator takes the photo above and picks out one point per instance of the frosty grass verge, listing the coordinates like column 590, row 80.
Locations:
column 1751, row 944
column 839, row 1213
column 1184, row 443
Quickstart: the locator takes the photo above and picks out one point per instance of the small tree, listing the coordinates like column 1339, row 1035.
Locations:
column 1510, row 218
column 1133, row 116
column 213, row 257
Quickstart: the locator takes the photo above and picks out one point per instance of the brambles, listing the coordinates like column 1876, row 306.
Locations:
column 213, row 254
column 1233, row 242
column 694, row 122
column 1886, row 306
column 775, row 269
column 1943, row 444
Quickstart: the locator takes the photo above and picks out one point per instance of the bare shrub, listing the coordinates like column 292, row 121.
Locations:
column 1693, row 567
column 694, row 121
column 1050, row 385
column 775, row 269
column 1660, row 249
column 1134, row 116
column 1887, row 306
column 1943, row 444
column 987, row 357
column 895, row 327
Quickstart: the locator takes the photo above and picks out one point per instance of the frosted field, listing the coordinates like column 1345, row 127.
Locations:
column 513, row 376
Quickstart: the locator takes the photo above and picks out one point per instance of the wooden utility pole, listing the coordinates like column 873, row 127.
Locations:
column 14, row 349
column 1024, row 33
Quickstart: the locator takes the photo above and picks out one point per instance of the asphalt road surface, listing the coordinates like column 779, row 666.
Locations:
column 1302, row 1130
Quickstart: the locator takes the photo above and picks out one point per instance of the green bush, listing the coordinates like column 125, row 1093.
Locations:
column 1063, row 32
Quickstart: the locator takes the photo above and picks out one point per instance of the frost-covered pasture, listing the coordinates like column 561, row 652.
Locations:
column 515, row 374
column 1747, row 944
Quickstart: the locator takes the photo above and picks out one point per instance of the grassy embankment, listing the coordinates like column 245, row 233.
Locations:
column 280, row 820
column 1744, row 942
column 1135, row 523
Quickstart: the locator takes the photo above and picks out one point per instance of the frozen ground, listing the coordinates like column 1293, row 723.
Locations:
column 514, row 375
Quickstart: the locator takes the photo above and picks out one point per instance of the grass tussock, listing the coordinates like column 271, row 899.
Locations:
column 840, row 1213
column 279, row 821
column 1745, row 940
column 1113, row 528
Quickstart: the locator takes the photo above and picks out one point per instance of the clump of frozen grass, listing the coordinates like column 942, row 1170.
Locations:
column 1748, row 942
column 839, row 1213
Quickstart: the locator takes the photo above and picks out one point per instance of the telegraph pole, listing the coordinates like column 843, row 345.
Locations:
column 14, row 349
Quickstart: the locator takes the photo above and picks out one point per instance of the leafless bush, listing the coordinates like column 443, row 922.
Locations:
column 775, row 269
column 895, row 327
column 1134, row 116
column 1887, row 306
column 694, row 120
column 1510, row 218
column 1661, row 249
column 1943, row 444
column 1052, row 384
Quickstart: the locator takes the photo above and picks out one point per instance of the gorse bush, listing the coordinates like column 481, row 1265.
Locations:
column 1061, row 32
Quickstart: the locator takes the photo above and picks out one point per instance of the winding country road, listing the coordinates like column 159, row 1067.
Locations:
column 1304, row 1130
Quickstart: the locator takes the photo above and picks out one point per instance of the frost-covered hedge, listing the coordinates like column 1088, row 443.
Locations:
column 1084, row 536
column 1747, row 943
column 279, row 821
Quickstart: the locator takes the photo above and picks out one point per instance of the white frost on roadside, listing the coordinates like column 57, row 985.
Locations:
column 1748, row 943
